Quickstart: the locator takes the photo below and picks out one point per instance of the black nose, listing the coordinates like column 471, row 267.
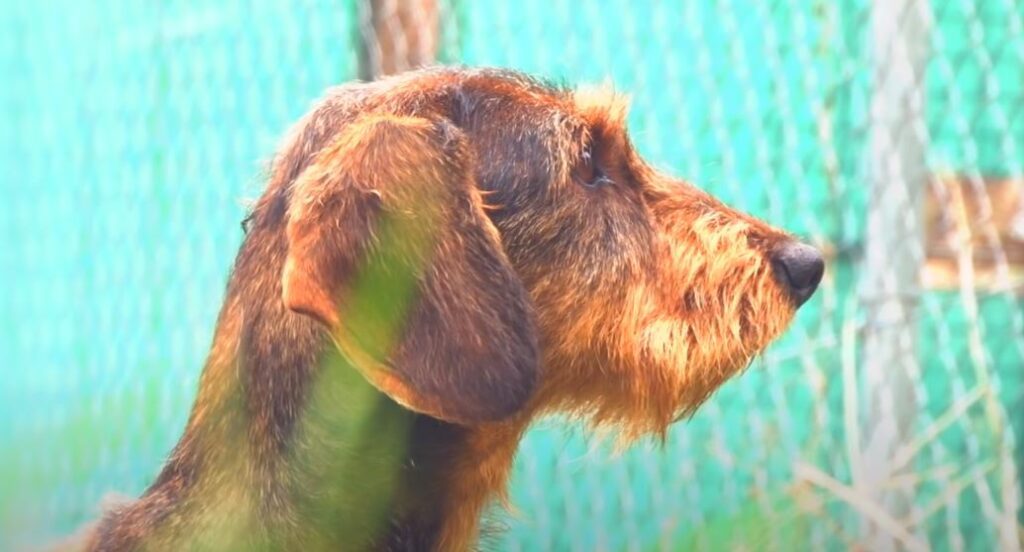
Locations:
column 798, row 267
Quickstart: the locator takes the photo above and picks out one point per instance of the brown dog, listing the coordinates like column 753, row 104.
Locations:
column 438, row 259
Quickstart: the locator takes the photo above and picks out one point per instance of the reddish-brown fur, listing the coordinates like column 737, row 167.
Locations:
column 551, row 270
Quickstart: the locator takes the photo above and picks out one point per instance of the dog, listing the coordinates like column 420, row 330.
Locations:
column 438, row 259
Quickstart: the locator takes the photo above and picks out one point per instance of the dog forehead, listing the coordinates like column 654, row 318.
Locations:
column 595, row 106
column 564, row 121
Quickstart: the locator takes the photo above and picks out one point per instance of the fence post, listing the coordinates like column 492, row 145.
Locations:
column 396, row 35
column 894, row 248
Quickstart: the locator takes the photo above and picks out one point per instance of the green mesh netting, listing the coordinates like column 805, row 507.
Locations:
column 132, row 135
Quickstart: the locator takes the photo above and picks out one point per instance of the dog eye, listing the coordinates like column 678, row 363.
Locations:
column 587, row 173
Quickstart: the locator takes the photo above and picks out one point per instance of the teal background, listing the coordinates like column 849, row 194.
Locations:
column 132, row 135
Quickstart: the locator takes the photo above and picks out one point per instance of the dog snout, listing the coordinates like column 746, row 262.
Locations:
column 798, row 268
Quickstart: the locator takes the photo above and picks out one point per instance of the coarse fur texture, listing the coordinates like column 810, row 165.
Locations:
column 438, row 259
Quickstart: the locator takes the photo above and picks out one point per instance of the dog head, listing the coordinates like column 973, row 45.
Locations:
column 476, row 242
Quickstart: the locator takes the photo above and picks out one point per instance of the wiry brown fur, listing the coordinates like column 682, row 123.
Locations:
column 553, row 271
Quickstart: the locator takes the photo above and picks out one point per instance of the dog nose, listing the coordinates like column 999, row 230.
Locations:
column 798, row 267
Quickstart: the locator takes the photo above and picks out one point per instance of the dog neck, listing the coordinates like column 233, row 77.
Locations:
column 289, row 447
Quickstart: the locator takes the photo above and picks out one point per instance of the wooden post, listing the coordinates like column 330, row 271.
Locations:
column 894, row 249
column 396, row 35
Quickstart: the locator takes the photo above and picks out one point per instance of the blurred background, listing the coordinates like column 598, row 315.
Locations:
column 888, row 132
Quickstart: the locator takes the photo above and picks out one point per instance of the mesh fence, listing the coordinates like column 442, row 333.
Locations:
column 889, row 133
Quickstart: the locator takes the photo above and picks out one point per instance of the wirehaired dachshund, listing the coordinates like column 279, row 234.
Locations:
column 438, row 259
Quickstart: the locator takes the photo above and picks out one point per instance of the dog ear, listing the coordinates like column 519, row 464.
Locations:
column 389, row 247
